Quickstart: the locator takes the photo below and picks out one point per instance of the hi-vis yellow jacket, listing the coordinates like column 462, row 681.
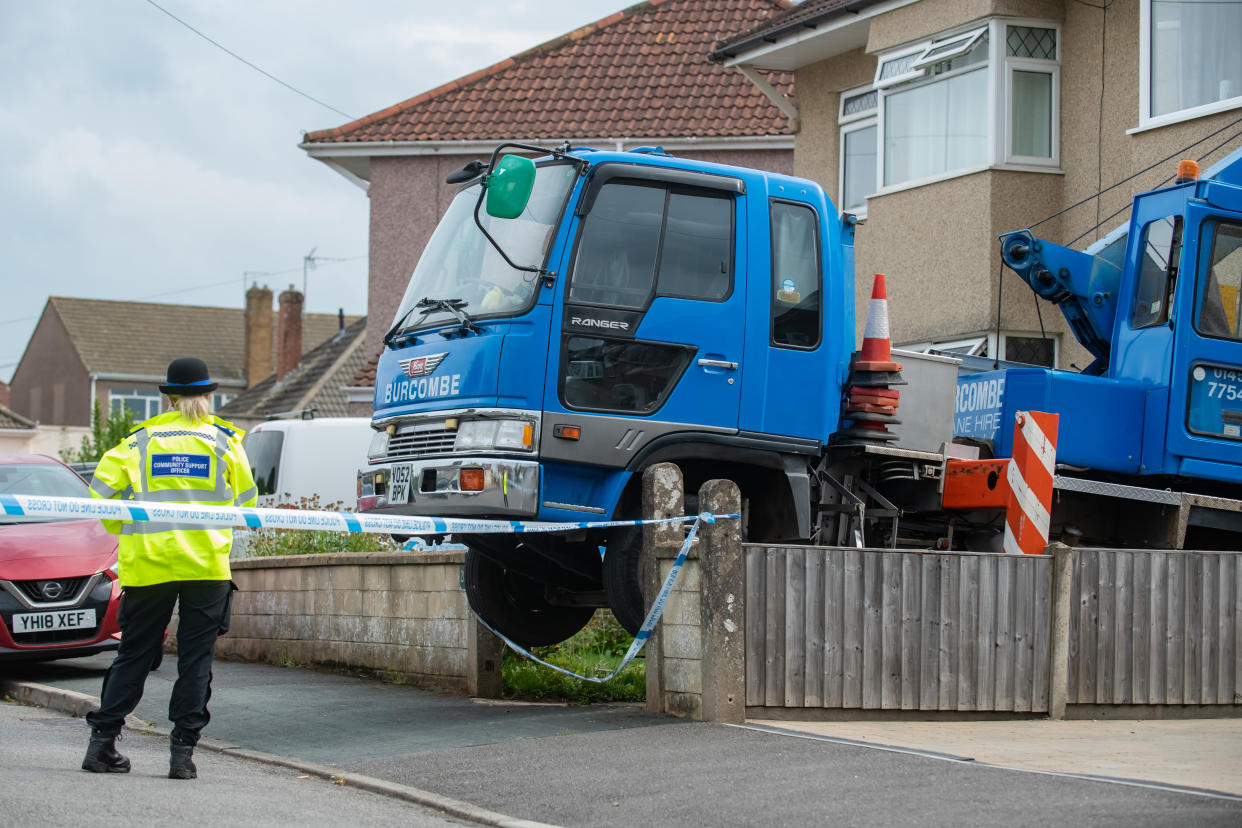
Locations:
column 168, row 459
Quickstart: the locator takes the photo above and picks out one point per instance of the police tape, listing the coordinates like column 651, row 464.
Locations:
column 653, row 614
column 180, row 514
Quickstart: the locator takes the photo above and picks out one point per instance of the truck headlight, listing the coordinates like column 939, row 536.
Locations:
column 516, row 435
column 379, row 446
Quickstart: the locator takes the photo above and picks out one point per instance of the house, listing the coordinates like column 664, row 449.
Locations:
column 114, row 353
column 314, row 387
column 16, row 432
column 638, row 77
column 943, row 123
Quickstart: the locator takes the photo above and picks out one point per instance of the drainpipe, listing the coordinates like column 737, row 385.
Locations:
column 90, row 414
column 773, row 94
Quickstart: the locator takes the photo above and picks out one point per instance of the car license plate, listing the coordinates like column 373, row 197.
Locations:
column 399, row 486
column 33, row 622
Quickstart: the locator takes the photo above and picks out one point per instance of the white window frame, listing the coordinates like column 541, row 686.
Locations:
column 1000, row 68
column 958, row 44
column 849, row 124
column 146, row 395
column 1146, row 119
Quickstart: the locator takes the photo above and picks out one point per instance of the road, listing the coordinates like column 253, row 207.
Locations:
column 605, row 765
column 40, row 755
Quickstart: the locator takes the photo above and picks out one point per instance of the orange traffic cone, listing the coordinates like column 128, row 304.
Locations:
column 876, row 353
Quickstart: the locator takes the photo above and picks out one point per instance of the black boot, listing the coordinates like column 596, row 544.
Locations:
column 181, row 763
column 102, row 757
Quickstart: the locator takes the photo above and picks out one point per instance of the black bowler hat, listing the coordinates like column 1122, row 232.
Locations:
column 188, row 377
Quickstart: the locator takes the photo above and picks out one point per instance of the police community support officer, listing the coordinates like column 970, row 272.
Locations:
column 186, row 455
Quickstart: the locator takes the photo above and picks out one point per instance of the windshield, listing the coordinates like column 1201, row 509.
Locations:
column 43, row 479
column 459, row 263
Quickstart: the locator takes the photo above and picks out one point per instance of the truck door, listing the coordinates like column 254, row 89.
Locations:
column 1205, row 407
column 652, row 317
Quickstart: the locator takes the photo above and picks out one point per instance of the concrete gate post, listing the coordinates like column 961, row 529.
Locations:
column 663, row 497
column 721, row 605
column 484, row 652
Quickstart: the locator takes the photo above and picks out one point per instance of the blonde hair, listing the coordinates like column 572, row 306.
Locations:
column 195, row 408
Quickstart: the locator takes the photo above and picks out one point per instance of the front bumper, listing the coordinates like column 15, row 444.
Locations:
column 510, row 488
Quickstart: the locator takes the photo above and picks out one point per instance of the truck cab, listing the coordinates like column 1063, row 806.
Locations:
column 634, row 308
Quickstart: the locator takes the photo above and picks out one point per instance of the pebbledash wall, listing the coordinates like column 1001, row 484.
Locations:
column 401, row 614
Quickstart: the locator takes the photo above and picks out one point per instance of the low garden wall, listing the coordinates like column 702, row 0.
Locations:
column 403, row 615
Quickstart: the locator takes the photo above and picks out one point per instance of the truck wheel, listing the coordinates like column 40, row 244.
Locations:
column 622, row 580
column 515, row 605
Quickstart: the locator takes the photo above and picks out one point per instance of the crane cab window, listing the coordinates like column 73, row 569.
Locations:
column 1159, row 255
column 795, row 276
column 1220, row 311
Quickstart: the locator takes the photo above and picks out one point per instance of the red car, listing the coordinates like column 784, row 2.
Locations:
column 58, row 588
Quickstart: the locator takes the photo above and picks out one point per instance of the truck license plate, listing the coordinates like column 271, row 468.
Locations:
column 33, row 622
column 399, row 486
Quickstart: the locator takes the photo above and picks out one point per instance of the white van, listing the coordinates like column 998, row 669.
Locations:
column 296, row 461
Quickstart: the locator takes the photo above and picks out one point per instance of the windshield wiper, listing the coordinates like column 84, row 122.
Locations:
column 395, row 329
column 453, row 306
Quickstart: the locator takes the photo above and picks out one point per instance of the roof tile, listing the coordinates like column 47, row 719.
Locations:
column 620, row 76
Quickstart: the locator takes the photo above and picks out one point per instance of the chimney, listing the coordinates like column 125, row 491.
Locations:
column 289, row 335
column 4, row 394
column 258, row 335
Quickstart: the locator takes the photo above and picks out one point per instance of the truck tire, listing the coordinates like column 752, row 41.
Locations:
column 622, row 578
column 515, row 605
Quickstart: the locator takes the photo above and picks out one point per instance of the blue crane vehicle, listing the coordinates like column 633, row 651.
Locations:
column 578, row 318
column 1150, row 449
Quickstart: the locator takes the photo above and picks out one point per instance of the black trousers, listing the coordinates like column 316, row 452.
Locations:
column 144, row 615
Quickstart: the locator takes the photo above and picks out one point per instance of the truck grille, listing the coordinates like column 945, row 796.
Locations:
column 421, row 441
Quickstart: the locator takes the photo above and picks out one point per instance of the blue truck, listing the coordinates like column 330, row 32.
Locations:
column 578, row 318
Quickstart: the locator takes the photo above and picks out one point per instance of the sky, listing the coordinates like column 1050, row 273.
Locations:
column 140, row 162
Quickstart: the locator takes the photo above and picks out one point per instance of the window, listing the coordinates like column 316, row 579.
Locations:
column 1029, row 349
column 635, row 230
column 142, row 404
column 221, row 399
column 1190, row 64
column 1162, row 241
column 859, row 140
column 263, row 451
column 1218, row 314
column 620, row 375
column 795, row 276
column 984, row 97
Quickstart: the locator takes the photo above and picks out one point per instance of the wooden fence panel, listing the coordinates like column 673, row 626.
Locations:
column 877, row 629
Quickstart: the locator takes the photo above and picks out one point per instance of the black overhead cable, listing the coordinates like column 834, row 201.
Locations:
column 1179, row 153
column 263, row 72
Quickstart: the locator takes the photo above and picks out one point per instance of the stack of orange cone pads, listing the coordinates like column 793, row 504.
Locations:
column 870, row 404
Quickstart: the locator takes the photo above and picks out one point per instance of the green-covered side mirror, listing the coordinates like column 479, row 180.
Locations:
column 509, row 186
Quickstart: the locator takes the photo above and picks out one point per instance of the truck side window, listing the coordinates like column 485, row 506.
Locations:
column 620, row 374
column 263, row 451
column 795, row 275
column 635, row 232
column 696, row 258
column 615, row 263
column 1219, row 313
column 1153, row 291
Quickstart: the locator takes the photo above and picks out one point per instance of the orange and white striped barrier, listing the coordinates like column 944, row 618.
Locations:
column 1021, row 485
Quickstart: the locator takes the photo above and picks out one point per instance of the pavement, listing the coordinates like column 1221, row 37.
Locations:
column 504, row 763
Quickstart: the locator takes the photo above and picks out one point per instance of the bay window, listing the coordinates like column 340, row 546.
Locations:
column 985, row 97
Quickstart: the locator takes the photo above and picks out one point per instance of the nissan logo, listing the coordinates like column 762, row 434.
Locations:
column 51, row 589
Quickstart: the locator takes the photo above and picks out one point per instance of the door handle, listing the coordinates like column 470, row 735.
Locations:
column 718, row 363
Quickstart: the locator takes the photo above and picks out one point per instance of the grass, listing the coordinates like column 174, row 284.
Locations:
column 595, row 650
